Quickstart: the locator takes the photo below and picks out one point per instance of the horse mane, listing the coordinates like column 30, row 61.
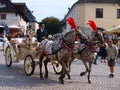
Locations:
column 87, row 31
column 67, row 32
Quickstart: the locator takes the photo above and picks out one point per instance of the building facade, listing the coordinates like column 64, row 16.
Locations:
column 16, row 14
column 106, row 13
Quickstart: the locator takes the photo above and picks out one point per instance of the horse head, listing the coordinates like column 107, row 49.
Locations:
column 88, row 35
column 70, row 36
column 99, row 36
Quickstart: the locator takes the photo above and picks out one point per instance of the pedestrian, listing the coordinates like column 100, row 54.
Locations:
column 112, row 53
column 41, row 32
column 119, row 51
column 97, row 55
column 103, row 52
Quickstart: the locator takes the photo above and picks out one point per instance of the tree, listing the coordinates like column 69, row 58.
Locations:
column 53, row 25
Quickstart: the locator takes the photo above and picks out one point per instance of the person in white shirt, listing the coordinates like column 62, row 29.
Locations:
column 112, row 53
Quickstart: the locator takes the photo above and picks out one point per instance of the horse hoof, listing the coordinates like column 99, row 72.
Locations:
column 46, row 76
column 41, row 77
column 81, row 74
column 89, row 82
column 61, row 81
column 69, row 77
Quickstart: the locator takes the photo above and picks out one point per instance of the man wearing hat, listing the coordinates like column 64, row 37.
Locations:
column 41, row 32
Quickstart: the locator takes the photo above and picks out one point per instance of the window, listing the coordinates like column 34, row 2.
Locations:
column 118, row 13
column 99, row 12
column 3, row 16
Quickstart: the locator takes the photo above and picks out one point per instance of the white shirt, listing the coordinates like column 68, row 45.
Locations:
column 112, row 51
column 19, row 40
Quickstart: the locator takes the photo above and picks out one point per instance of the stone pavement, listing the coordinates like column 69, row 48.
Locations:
column 14, row 78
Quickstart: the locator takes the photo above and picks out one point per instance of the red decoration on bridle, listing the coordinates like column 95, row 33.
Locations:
column 71, row 22
column 92, row 25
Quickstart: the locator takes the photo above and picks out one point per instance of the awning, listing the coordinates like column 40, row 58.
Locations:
column 14, row 26
column 114, row 30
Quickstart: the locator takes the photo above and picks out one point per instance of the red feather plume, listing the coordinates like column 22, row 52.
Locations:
column 71, row 22
column 92, row 24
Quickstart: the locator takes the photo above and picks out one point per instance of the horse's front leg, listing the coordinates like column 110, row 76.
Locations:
column 86, row 66
column 89, row 71
column 63, row 72
column 46, row 69
column 69, row 62
column 40, row 66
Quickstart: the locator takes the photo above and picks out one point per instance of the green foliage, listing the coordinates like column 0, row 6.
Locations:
column 53, row 25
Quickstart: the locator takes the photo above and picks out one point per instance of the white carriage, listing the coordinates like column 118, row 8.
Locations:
column 28, row 51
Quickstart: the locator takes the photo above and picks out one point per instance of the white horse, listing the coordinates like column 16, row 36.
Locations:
column 60, row 51
column 87, row 52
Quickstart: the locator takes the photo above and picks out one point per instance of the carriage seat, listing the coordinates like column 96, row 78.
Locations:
column 31, row 42
column 16, row 43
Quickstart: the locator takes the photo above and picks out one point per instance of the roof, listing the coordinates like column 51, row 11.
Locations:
column 30, row 16
column 19, row 8
column 23, row 9
column 98, row 1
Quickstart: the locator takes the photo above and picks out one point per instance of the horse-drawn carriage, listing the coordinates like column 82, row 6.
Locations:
column 18, row 48
column 29, row 52
column 60, row 56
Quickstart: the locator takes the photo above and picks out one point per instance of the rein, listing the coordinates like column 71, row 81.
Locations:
column 68, row 44
column 92, row 49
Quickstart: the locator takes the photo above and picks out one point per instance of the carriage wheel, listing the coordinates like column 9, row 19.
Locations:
column 8, row 57
column 29, row 65
column 57, row 67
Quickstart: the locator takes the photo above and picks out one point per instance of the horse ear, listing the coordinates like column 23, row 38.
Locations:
column 92, row 25
column 71, row 22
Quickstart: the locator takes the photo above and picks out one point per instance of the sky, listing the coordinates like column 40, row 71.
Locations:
column 47, row 8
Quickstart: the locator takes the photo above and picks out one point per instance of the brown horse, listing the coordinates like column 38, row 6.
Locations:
column 61, row 51
column 87, row 52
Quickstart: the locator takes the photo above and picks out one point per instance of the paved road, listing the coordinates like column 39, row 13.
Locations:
column 14, row 78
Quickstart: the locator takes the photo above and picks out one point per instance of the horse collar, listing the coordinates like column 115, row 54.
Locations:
column 68, row 44
column 92, row 49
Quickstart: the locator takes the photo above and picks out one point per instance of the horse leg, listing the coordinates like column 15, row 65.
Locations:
column 86, row 66
column 40, row 66
column 89, row 71
column 68, row 70
column 46, row 69
column 63, row 72
column 69, row 67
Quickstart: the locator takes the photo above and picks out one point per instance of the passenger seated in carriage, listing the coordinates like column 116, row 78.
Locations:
column 30, row 42
column 18, row 41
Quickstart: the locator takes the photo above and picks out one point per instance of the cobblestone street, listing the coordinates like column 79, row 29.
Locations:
column 14, row 78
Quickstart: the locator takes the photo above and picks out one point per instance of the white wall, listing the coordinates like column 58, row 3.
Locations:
column 13, row 19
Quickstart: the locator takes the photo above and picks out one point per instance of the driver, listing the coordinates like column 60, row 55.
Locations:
column 41, row 32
